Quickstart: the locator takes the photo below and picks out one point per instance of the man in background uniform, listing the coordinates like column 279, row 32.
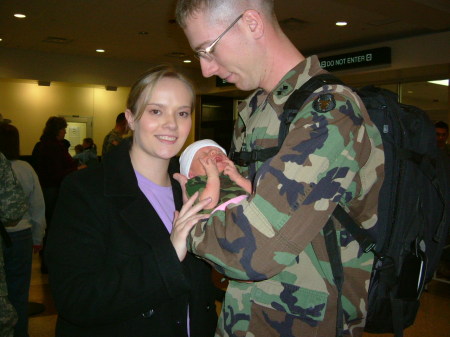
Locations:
column 115, row 136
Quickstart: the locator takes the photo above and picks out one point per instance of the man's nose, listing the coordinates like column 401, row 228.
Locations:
column 209, row 68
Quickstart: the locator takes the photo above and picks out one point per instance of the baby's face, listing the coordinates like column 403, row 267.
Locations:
column 212, row 152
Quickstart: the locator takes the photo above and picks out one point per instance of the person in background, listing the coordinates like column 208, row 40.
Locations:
column 52, row 162
column 13, row 206
column 117, row 268
column 332, row 154
column 78, row 149
column 26, row 237
column 88, row 154
column 442, row 136
column 115, row 136
column 205, row 167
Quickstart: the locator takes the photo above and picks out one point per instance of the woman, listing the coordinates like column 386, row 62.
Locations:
column 52, row 162
column 114, row 262
column 27, row 235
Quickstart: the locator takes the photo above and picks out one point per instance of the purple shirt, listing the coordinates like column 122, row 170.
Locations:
column 161, row 198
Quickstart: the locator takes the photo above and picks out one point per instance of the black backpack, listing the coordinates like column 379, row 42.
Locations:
column 413, row 213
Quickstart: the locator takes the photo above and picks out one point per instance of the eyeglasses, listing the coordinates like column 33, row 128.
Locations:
column 206, row 53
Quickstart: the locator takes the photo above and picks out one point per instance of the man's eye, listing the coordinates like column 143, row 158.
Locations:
column 184, row 114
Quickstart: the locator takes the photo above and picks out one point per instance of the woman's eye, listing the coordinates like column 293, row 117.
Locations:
column 184, row 114
column 155, row 111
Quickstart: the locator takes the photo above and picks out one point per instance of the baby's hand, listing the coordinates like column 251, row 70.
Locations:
column 231, row 170
column 210, row 166
column 182, row 179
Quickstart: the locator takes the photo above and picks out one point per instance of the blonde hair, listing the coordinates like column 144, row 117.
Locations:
column 220, row 9
column 142, row 89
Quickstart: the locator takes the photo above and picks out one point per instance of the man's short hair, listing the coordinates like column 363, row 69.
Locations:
column 441, row 125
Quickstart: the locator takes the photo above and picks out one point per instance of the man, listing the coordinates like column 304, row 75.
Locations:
column 115, row 136
column 332, row 154
column 442, row 136
column 12, row 207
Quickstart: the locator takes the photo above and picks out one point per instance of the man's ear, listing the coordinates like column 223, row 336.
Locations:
column 130, row 118
column 254, row 22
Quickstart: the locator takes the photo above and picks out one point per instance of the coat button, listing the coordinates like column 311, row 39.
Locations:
column 148, row 314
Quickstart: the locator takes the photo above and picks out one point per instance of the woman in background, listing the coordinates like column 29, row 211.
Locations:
column 52, row 162
column 27, row 235
column 116, row 267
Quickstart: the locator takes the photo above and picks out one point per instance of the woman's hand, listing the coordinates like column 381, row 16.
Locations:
column 183, row 222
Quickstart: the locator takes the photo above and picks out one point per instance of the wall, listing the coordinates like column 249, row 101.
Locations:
column 78, row 83
column 29, row 106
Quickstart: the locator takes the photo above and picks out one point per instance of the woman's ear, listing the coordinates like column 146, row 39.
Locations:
column 130, row 119
column 254, row 22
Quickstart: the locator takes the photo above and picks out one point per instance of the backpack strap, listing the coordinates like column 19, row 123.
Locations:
column 290, row 110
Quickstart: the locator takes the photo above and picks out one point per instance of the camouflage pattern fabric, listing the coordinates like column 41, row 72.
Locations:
column 332, row 154
column 12, row 207
column 228, row 188
column 8, row 316
column 112, row 136
column 12, row 198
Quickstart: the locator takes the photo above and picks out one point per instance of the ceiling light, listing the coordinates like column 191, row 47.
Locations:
column 440, row 82
column 20, row 16
column 341, row 23
column 187, row 61
column 1, row 39
column 100, row 50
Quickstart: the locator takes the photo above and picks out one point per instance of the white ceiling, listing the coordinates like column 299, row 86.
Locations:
column 79, row 27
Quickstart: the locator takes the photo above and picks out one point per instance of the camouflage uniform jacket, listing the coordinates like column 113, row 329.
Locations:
column 110, row 138
column 228, row 188
column 332, row 154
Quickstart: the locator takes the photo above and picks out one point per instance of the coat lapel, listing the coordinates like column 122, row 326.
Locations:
column 121, row 186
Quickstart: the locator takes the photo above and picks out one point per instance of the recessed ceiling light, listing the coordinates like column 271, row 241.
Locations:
column 341, row 23
column 440, row 82
column 20, row 16
column 187, row 61
column 1, row 39
column 100, row 50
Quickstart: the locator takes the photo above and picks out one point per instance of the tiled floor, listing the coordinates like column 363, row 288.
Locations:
column 432, row 319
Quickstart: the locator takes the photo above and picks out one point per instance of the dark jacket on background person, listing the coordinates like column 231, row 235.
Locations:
column 112, row 268
column 52, row 162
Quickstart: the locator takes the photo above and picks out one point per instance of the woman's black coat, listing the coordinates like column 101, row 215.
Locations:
column 112, row 268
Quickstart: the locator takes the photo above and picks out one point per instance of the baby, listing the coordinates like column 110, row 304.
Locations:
column 205, row 167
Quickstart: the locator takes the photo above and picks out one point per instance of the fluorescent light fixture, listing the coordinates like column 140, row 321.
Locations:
column 20, row 16
column 440, row 82
column 100, row 50
column 341, row 23
column 187, row 61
